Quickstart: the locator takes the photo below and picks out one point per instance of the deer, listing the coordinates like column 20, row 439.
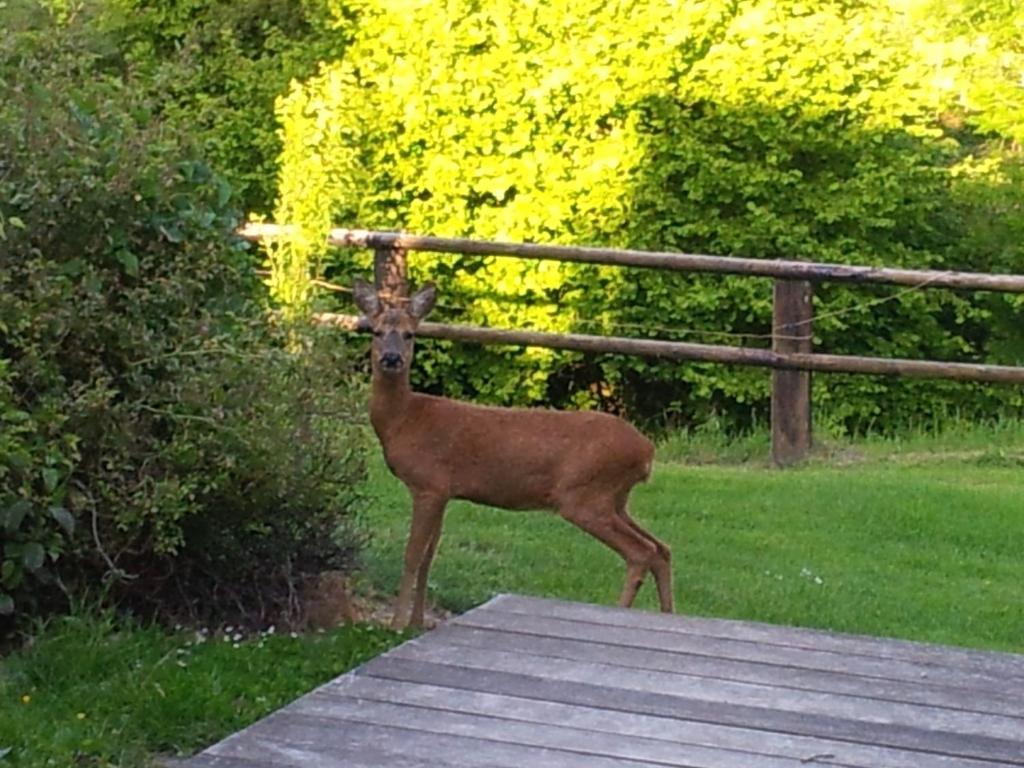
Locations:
column 580, row 464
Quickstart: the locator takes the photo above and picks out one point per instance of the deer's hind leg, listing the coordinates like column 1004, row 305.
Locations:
column 661, row 567
column 600, row 519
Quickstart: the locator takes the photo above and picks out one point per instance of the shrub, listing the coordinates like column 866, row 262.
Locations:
column 826, row 131
column 219, row 65
column 253, row 478
column 159, row 437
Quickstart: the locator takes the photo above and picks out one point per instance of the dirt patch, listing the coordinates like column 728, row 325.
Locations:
column 333, row 599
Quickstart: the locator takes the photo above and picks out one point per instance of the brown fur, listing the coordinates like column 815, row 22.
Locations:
column 579, row 464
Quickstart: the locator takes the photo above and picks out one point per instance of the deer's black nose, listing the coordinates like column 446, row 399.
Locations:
column 391, row 360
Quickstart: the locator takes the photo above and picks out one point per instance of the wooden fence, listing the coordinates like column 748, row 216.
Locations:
column 791, row 356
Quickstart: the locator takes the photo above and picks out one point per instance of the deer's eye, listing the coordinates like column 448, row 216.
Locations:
column 407, row 335
column 378, row 334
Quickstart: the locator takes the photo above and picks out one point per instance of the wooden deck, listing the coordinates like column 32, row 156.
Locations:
column 525, row 682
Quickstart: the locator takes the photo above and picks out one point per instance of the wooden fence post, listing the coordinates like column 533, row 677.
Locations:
column 792, row 313
column 389, row 272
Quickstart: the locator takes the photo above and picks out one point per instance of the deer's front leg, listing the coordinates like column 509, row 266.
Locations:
column 427, row 514
column 419, row 598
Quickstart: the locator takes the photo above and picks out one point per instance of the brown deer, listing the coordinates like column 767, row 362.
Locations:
column 581, row 464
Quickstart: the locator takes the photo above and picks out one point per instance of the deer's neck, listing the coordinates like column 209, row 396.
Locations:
column 389, row 401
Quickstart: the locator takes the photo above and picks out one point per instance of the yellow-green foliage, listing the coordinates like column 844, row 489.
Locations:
column 821, row 130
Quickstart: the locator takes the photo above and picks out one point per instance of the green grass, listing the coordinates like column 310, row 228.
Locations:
column 951, row 440
column 94, row 692
column 918, row 538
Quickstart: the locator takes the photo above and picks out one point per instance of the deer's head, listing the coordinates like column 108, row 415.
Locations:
column 393, row 324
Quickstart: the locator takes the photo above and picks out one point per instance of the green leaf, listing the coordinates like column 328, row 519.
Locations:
column 6, row 609
column 16, row 222
column 172, row 232
column 15, row 513
column 17, row 417
column 50, row 478
column 130, row 262
column 223, row 193
column 73, row 268
column 12, row 574
column 5, row 751
column 33, row 555
column 19, row 459
column 64, row 518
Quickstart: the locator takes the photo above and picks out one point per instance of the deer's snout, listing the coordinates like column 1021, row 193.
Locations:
column 391, row 360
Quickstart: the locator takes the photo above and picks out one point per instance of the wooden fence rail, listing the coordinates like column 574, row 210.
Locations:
column 791, row 356
column 709, row 353
column 680, row 262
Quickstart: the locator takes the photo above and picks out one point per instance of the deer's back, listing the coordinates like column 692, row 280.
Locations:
column 517, row 458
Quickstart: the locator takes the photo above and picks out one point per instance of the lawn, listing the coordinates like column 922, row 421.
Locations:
column 95, row 692
column 920, row 538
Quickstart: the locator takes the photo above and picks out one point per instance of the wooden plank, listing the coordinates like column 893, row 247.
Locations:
column 695, row 647
column 740, row 714
column 206, row 760
column 993, row 663
column 294, row 739
column 590, row 744
column 729, row 669
column 721, row 691
column 611, row 721
column 273, row 742
column 792, row 312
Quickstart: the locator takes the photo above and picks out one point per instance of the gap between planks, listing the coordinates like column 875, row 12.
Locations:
column 696, row 710
column 733, row 660
column 994, row 663
column 720, row 691
column 655, row 727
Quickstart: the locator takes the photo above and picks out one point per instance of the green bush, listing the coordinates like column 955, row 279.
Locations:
column 838, row 132
column 160, row 440
column 219, row 65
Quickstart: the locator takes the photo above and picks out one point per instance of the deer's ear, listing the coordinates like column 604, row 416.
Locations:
column 366, row 298
column 423, row 301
